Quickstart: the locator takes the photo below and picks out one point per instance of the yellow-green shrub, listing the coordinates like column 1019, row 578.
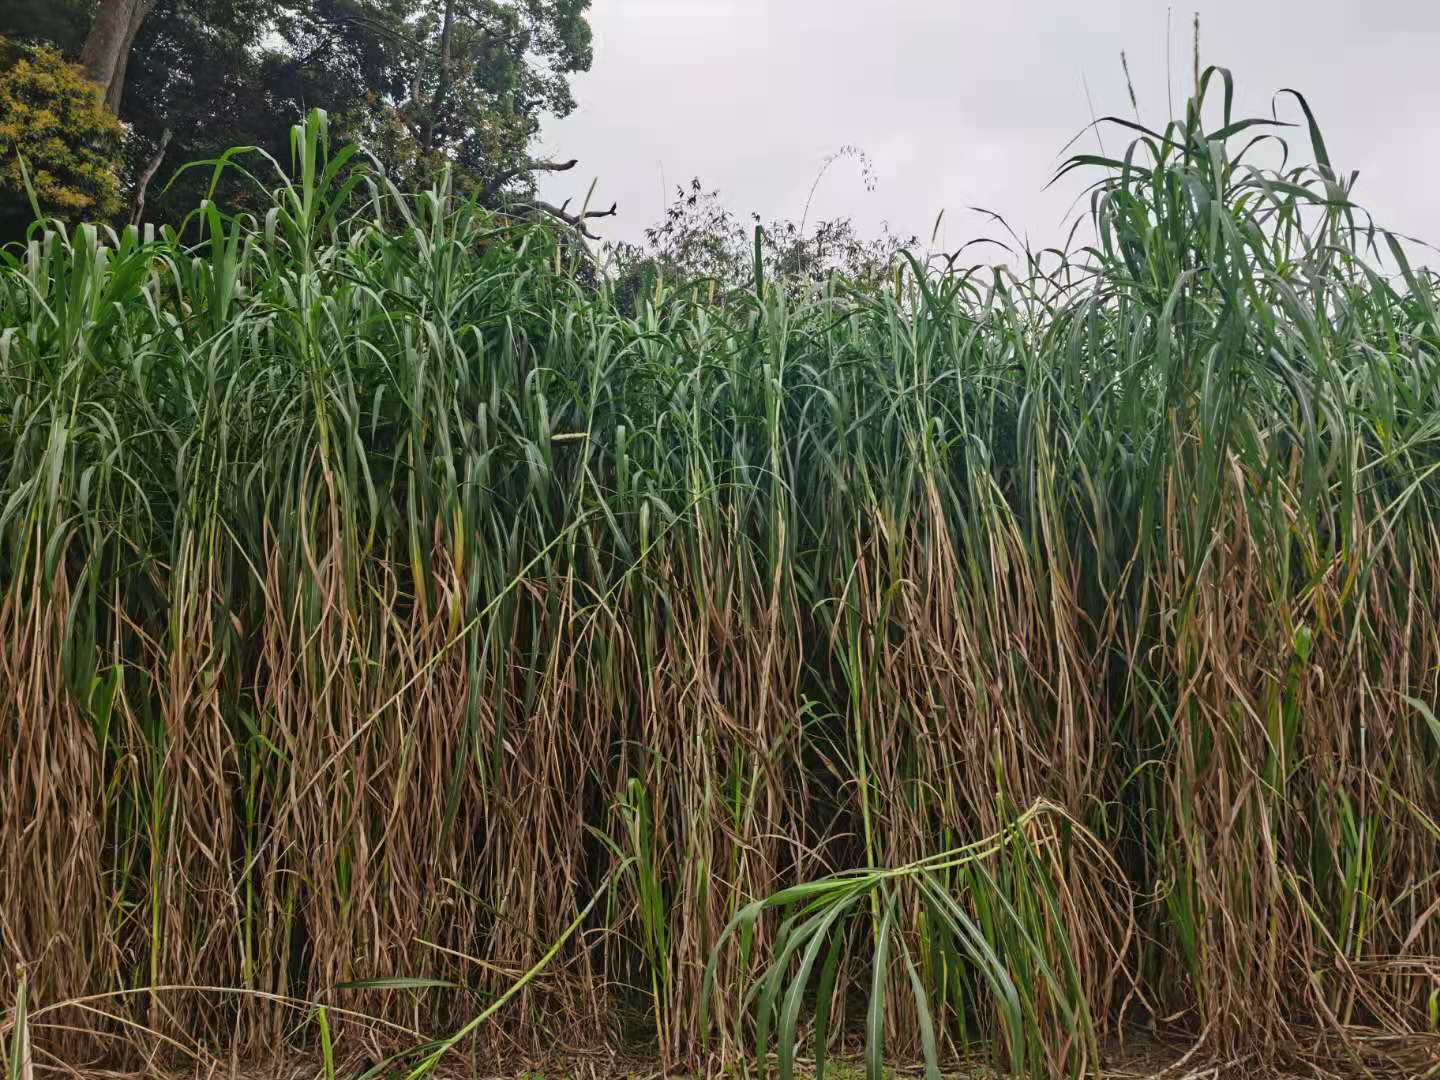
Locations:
column 51, row 116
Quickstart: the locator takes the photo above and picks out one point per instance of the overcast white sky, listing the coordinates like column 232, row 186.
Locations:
column 964, row 103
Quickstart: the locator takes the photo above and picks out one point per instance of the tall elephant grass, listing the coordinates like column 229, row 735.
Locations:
column 372, row 591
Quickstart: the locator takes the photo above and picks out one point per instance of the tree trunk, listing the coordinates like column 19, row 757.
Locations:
column 442, row 88
column 107, row 47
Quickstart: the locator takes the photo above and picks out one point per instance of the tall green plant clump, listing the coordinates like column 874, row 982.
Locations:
column 980, row 662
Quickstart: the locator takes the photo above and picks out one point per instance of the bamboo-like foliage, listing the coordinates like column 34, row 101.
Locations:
column 372, row 591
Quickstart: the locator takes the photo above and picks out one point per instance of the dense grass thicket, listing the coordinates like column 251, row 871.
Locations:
column 378, row 601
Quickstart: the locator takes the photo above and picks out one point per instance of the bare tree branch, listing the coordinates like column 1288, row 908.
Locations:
column 575, row 221
column 493, row 188
column 149, row 174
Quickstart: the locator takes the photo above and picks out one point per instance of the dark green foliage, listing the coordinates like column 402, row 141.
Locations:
column 57, row 22
column 222, row 73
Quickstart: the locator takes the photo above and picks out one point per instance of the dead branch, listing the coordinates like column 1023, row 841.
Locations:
column 151, row 168
column 575, row 221
column 494, row 187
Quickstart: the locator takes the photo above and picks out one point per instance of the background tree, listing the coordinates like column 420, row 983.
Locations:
column 61, row 23
column 478, row 76
column 421, row 83
column 701, row 238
